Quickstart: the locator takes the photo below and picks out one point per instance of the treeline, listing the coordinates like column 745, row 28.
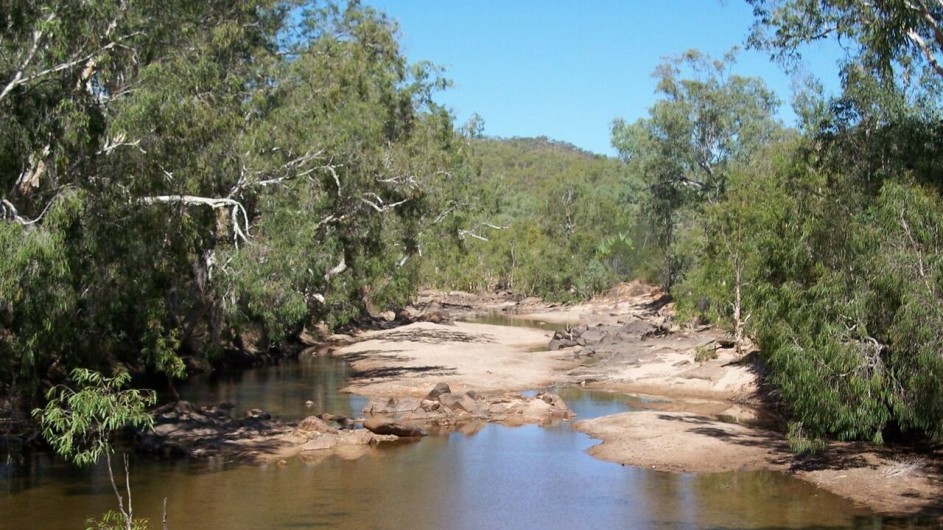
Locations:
column 174, row 172
column 824, row 244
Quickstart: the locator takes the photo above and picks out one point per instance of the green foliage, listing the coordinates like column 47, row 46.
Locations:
column 177, row 183
column 706, row 120
column 536, row 216
column 891, row 36
column 826, row 248
column 113, row 520
column 702, row 354
column 800, row 443
column 79, row 422
column 843, row 286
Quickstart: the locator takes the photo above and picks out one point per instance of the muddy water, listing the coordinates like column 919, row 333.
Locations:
column 487, row 476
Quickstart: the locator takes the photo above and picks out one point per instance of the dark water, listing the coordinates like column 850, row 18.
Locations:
column 502, row 319
column 486, row 476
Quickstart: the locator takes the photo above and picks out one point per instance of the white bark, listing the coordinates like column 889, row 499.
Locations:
column 239, row 232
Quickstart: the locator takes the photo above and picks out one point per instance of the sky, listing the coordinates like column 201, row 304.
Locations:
column 566, row 68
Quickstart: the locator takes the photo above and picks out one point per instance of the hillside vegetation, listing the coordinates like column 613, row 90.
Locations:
column 540, row 217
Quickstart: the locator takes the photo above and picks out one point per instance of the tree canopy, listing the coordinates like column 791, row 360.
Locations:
column 171, row 172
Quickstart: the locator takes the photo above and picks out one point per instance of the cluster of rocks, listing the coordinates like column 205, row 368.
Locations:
column 182, row 429
column 444, row 407
column 588, row 340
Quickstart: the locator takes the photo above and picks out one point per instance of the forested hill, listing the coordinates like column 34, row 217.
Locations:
column 541, row 217
column 523, row 163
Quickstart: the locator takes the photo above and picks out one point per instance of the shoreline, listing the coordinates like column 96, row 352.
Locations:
column 705, row 416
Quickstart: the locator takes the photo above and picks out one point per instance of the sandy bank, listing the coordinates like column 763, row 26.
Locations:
column 409, row 360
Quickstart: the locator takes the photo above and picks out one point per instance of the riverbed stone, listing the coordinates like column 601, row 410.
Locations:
column 438, row 390
column 386, row 427
column 429, row 405
column 313, row 424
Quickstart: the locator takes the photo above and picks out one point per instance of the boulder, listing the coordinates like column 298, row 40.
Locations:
column 438, row 390
column 314, row 424
column 429, row 405
column 385, row 427
column 257, row 414
column 450, row 401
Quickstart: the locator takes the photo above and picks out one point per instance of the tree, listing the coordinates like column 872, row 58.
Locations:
column 706, row 119
column 79, row 423
column 891, row 34
column 172, row 173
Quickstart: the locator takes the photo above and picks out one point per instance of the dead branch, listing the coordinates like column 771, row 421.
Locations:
column 472, row 233
column 380, row 208
column 337, row 269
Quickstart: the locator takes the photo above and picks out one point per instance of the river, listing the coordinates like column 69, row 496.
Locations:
column 484, row 476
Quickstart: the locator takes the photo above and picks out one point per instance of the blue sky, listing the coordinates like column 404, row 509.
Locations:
column 565, row 68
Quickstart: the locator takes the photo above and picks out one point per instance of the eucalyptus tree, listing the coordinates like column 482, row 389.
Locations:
column 839, row 230
column 170, row 171
column 884, row 36
column 705, row 119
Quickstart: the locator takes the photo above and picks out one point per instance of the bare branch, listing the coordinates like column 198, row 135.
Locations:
column 337, row 269
column 239, row 232
column 18, row 79
column 924, row 11
column 119, row 141
column 9, row 211
column 380, row 208
column 462, row 232
column 37, row 36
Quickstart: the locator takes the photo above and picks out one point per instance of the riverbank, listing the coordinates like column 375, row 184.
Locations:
column 706, row 412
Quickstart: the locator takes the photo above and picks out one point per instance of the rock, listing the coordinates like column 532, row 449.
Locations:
column 449, row 400
column 252, row 339
column 384, row 427
column 441, row 388
column 379, row 406
column 552, row 399
column 315, row 424
column 197, row 364
column 429, row 405
column 409, row 313
column 472, row 394
column 559, row 344
column 593, row 336
column 388, row 316
column 407, row 404
column 309, row 337
column 638, row 328
column 257, row 414
column 435, row 314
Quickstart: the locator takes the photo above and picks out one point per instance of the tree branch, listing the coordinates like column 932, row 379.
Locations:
column 380, row 208
column 239, row 232
column 924, row 11
column 37, row 36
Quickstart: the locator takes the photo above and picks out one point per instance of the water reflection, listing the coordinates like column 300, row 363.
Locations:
column 282, row 390
column 482, row 476
column 502, row 319
column 525, row 477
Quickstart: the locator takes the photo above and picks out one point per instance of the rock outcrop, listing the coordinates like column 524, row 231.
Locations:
column 443, row 407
